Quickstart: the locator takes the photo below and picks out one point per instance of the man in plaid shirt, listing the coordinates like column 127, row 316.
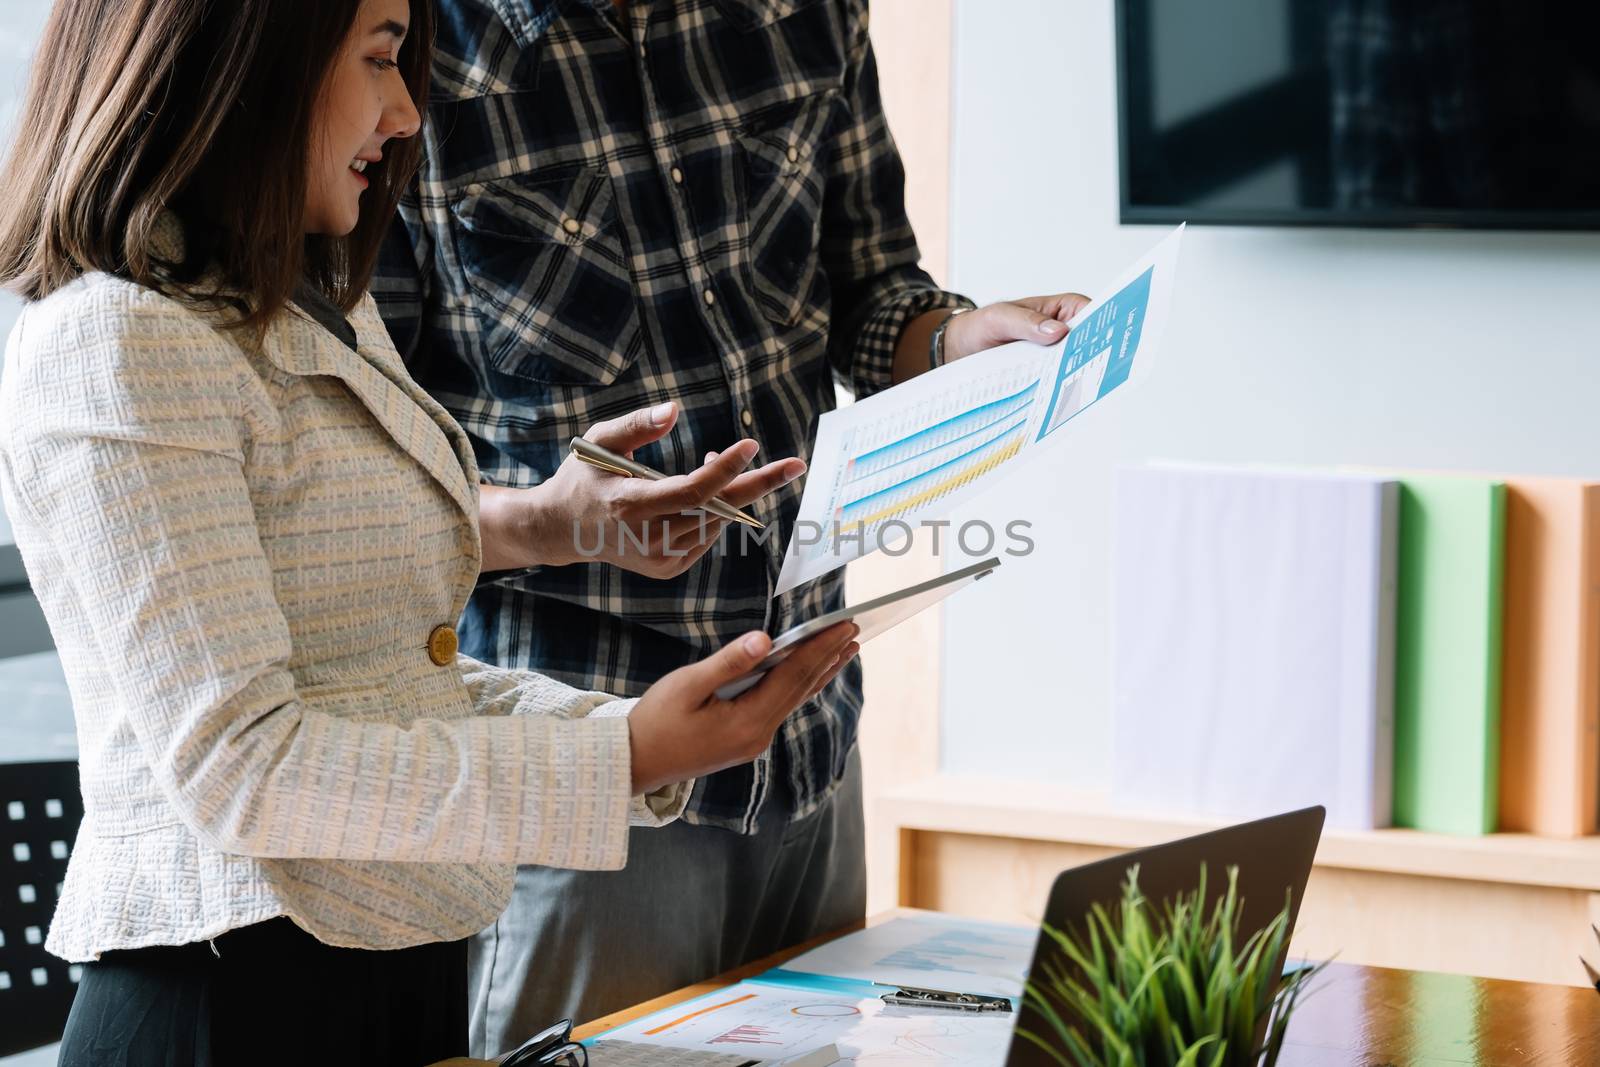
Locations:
column 668, row 225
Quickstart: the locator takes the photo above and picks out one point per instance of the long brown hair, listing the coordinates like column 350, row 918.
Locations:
column 206, row 109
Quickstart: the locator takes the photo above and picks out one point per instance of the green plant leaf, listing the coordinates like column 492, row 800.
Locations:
column 1191, row 1055
column 1168, row 984
column 1051, row 1050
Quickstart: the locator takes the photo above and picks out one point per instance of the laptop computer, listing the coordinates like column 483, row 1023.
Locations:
column 1274, row 860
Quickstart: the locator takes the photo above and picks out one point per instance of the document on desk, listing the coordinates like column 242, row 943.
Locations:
column 912, row 453
column 613, row 1053
column 929, row 952
column 769, row 1021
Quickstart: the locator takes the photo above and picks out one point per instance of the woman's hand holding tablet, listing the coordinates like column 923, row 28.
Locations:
column 682, row 729
column 874, row 617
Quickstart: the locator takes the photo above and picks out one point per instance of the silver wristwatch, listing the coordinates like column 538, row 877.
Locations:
column 936, row 339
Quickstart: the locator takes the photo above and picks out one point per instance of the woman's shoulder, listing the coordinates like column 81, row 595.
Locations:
column 100, row 309
column 109, row 349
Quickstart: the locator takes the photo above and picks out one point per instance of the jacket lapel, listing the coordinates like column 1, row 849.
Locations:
column 376, row 377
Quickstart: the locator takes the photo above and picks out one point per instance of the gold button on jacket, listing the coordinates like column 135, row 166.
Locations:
column 442, row 645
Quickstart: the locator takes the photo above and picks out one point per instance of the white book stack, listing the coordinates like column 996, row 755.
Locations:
column 1253, row 642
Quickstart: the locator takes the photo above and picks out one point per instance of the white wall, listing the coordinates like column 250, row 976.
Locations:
column 1441, row 350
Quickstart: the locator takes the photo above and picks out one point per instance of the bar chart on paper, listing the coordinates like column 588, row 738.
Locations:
column 749, row 1034
column 768, row 1021
column 909, row 454
column 898, row 469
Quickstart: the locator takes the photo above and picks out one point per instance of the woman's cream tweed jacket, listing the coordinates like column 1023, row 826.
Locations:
column 242, row 551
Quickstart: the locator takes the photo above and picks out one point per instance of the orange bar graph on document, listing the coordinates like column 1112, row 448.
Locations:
column 680, row 1020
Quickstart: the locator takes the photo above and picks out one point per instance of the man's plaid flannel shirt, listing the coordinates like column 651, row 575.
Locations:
column 698, row 201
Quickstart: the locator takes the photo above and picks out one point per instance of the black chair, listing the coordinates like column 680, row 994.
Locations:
column 40, row 809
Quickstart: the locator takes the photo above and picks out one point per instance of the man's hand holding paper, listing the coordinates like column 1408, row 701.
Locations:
column 1038, row 319
column 911, row 453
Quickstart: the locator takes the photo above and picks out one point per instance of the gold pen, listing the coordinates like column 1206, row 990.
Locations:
column 606, row 460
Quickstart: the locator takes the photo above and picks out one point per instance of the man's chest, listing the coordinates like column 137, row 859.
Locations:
column 673, row 158
column 696, row 85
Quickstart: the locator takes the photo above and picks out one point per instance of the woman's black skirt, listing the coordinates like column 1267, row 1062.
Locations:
column 269, row 994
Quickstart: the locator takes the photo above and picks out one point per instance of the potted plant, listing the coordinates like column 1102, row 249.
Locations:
column 1167, row 987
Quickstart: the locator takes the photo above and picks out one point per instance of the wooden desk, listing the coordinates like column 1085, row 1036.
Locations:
column 1362, row 1017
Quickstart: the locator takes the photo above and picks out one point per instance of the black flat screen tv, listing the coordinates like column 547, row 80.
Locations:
column 1458, row 113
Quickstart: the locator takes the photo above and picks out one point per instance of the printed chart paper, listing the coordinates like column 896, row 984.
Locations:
column 767, row 1021
column 915, row 451
column 954, row 955
column 613, row 1053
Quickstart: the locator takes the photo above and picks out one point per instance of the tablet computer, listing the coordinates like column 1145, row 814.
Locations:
column 875, row 616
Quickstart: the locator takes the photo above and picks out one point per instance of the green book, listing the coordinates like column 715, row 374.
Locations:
column 1447, row 654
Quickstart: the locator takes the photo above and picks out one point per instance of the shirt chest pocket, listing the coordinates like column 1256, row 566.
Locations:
column 785, row 178
column 548, row 277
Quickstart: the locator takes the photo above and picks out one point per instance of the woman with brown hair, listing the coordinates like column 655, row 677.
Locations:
column 251, row 533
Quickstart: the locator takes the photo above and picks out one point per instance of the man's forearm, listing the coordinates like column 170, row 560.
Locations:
column 911, row 354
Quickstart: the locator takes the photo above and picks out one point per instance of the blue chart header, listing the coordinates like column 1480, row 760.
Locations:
column 1098, row 355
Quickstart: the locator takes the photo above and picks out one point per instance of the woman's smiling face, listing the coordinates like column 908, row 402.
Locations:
column 364, row 105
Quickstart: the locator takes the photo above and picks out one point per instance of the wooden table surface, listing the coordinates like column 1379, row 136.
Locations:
column 1359, row 1016
column 1375, row 1015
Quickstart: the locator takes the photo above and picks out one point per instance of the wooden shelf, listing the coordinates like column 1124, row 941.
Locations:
column 1042, row 812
